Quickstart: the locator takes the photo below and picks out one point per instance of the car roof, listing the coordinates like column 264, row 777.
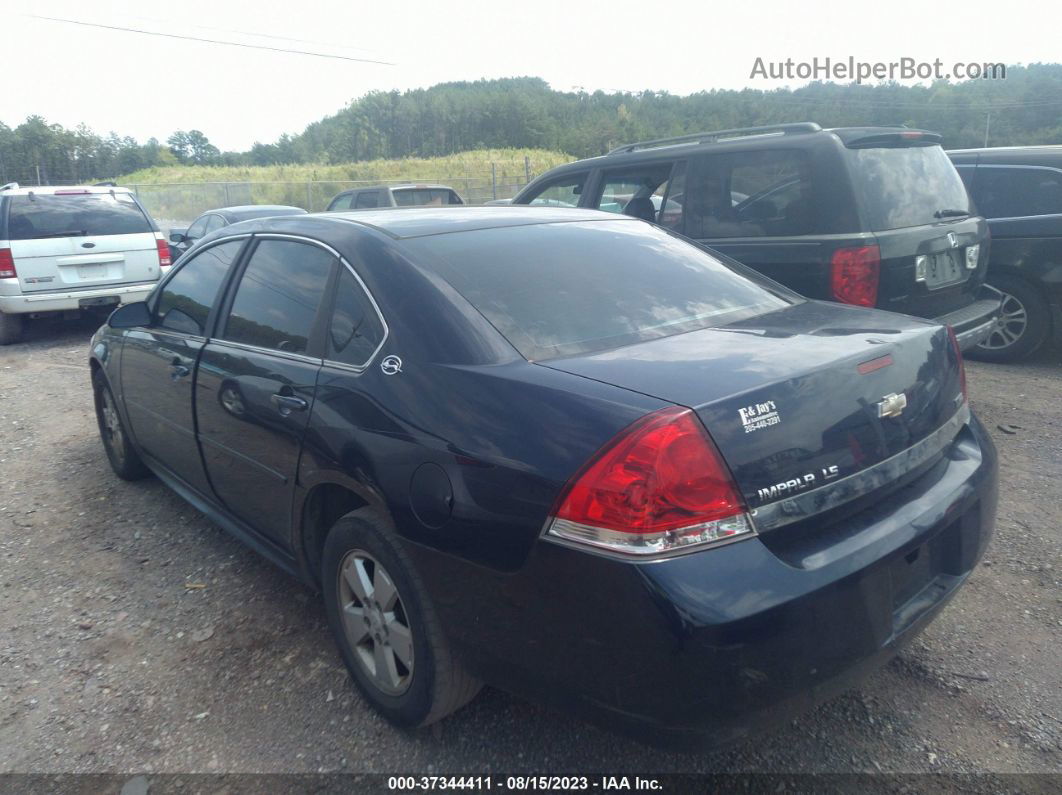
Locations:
column 422, row 221
column 49, row 190
column 244, row 212
column 1042, row 149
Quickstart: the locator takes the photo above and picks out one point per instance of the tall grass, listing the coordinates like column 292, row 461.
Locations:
column 177, row 194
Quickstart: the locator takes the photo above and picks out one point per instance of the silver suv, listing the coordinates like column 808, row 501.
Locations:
column 71, row 249
column 394, row 196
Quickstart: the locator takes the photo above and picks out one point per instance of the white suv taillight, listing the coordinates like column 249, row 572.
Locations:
column 659, row 486
column 7, row 264
column 164, row 252
column 973, row 253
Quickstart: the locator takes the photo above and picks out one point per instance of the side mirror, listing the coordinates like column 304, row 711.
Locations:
column 130, row 316
column 178, row 235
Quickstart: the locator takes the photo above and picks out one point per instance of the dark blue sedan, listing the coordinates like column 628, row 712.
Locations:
column 571, row 455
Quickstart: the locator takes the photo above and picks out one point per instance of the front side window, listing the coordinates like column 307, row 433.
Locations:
column 563, row 192
column 74, row 215
column 1018, row 192
column 341, row 202
column 425, row 197
column 198, row 228
column 214, row 222
column 355, row 330
column 186, row 298
column 751, row 194
column 637, row 191
column 565, row 289
column 278, row 296
column 367, row 200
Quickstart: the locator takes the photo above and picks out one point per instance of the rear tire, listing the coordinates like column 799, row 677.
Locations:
column 124, row 459
column 1023, row 326
column 389, row 636
column 10, row 328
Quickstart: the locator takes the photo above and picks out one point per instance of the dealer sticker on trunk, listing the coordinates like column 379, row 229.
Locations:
column 758, row 416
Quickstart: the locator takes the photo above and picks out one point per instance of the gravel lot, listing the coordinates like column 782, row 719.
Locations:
column 138, row 637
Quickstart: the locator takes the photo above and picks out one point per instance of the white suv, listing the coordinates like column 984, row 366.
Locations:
column 65, row 249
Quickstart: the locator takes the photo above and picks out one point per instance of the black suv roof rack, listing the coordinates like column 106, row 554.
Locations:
column 715, row 135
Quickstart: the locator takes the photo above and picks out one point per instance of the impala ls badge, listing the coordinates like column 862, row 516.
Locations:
column 892, row 405
column 391, row 365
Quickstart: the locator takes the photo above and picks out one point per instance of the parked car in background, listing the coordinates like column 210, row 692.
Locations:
column 395, row 196
column 870, row 216
column 183, row 239
column 1019, row 190
column 73, row 249
column 661, row 490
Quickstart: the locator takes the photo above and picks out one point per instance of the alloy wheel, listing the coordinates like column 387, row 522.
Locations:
column 1012, row 324
column 113, row 427
column 375, row 622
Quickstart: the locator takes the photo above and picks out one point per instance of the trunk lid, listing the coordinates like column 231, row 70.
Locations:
column 792, row 398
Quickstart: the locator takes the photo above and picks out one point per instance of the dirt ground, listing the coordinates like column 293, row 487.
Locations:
column 137, row 637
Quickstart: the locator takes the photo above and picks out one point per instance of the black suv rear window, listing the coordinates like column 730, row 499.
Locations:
column 409, row 197
column 907, row 186
column 96, row 214
column 570, row 288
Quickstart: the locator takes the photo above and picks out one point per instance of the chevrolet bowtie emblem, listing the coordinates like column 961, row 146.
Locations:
column 892, row 405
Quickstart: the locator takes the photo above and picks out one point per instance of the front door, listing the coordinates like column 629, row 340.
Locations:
column 256, row 382
column 158, row 363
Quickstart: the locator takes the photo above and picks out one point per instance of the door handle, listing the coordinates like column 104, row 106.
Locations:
column 179, row 369
column 288, row 403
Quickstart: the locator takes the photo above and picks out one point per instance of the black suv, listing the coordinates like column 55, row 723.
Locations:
column 871, row 216
column 1019, row 190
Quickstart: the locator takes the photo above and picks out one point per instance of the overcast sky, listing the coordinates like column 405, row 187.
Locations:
column 145, row 86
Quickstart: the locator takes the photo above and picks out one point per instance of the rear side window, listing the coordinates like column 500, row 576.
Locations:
column 562, row 192
column 186, row 299
column 751, row 194
column 907, row 186
column 84, row 215
column 367, row 200
column 355, row 330
column 437, row 197
column 570, row 288
column 1018, row 192
column 637, row 191
column 278, row 296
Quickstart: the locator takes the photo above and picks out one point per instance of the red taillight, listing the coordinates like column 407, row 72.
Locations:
column 164, row 253
column 660, row 485
column 854, row 275
column 7, row 264
column 962, row 366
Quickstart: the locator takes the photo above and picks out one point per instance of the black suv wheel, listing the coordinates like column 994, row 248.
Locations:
column 1023, row 324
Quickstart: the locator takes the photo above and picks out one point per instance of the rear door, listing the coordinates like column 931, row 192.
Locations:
column 158, row 362
column 257, row 378
column 78, row 239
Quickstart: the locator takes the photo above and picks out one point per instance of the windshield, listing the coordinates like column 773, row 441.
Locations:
column 907, row 186
column 565, row 289
column 39, row 216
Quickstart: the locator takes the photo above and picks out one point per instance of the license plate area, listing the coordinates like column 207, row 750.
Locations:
column 97, row 301
column 945, row 268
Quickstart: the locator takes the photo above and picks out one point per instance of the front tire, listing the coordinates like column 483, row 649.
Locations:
column 10, row 328
column 124, row 459
column 1023, row 324
column 385, row 626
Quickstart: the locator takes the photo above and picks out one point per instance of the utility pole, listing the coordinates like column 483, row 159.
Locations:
column 988, row 124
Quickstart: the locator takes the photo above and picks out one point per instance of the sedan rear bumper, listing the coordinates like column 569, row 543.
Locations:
column 703, row 648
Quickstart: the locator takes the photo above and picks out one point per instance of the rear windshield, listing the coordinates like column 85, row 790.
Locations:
column 570, row 288
column 408, row 197
column 907, row 186
column 39, row 216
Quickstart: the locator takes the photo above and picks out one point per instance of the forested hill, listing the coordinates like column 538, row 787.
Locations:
column 525, row 113
column 1025, row 108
